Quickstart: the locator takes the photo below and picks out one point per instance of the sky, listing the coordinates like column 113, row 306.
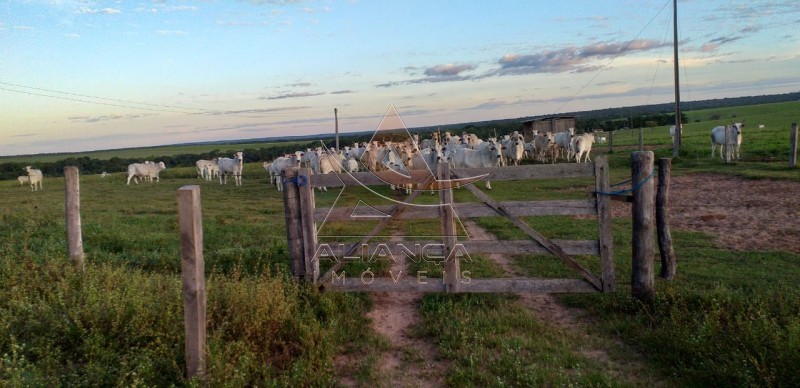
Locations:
column 92, row 75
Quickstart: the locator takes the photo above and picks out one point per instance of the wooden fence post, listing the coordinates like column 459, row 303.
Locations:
column 727, row 144
column 668, row 259
column 793, row 147
column 73, row 216
column 611, row 142
column 602, row 185
column 309, row 227
column 641, row 139
column 294, row 221
column 643, row 225
column 190, row 223
column 452, row 266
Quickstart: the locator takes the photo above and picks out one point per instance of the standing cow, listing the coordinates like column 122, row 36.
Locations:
column 228, row 166
column 734, row 138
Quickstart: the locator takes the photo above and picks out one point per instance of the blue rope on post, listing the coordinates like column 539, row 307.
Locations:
column 625, row 191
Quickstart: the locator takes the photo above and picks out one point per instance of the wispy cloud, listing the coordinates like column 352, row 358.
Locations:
column 98, row 11
column 342, row 91
column 438, row 73
column 571, row 59
column 171, row 32
column 292, row 95
column 94, row 119
column 447, row 70
column 715, row 43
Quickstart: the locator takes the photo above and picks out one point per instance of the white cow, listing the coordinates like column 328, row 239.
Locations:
column 147, row 171
column 487, row 157
column 583, row 144
column 734, row 134
column 514, row 148
column 23, row 179
column 543, row 144
column 352, row 164
column 228, row 166
column 281, row 163
column 206, row 168
column 563, row 141
column 34, row 177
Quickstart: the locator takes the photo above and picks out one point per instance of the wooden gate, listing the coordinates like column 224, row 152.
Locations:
column 302, row 217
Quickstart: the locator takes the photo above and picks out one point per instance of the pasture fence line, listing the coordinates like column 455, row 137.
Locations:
column 306, row 252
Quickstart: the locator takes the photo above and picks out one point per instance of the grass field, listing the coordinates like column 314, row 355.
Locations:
column 729, row 318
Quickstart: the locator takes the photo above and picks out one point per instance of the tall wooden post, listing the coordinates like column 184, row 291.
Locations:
column 678, row 125
column 668, row 260
column 190, row 223
column 641, row 138
column 452, row 266
column 611, row 142
column 728, row 144
column 604, row 223
column 309, row 227
column 643, row 225
column 336, row 118
column 294, row 223
column 793, row 147
column 73, row 216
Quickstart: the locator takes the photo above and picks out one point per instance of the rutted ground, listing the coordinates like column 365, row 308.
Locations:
column 744, row 215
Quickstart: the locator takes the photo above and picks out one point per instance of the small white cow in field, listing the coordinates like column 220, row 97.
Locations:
column 34, row 177
column 563, row 142
column 734, row 134
column 542, row 145
column 760, row 126
column 206, row 168
column 487, row 157
column 147, row 171
column 103, row 174
column 514, row 148
column 600, row 139
column 228, row 166
column 23, row 179
column 352, row 164
column 582, row 144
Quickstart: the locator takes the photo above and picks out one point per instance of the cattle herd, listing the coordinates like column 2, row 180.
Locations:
column 465, row 151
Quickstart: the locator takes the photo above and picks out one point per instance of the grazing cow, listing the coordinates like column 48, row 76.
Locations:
column 760, row 126
column 228, row 166
column 486, row 157
column 147, row 171
column 103, row 174
column 281, row 163
column 34, row 177
column 206, row 168
column 542, row 145
column 601, row 139
column 583, row 144
column 563, row 141
column 23, row 179
column 735, row 138
column 352, row 164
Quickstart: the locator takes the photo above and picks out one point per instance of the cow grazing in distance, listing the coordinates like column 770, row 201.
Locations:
column 228, row 166
column 734, row 137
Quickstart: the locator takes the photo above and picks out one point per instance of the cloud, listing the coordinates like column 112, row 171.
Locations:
column 715, row 43
column 97, row 11
column 259, row 111
column 300, row 84
column 571, row 59
column 292, row 95
column 94, row 119
column 72, row 36
column 22, row 28
column 342, row 92
column 275, row 2
column 171, row 32
column 447, row 70
column 180, row 8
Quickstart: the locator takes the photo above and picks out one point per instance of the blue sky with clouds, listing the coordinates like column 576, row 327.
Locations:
column 83, row 75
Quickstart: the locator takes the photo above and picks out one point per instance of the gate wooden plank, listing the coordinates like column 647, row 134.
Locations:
column 555, row 249
column 524, row 172
column 475, row 209
column 419, row 283
column 506, row 247
column 395, row 212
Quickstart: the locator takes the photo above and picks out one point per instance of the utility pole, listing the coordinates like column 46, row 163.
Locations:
column 336, row 117
column 678, row 130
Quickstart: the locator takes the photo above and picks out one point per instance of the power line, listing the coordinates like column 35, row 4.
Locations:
column 612, row 59
column 98, row 98
column 94, row 102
